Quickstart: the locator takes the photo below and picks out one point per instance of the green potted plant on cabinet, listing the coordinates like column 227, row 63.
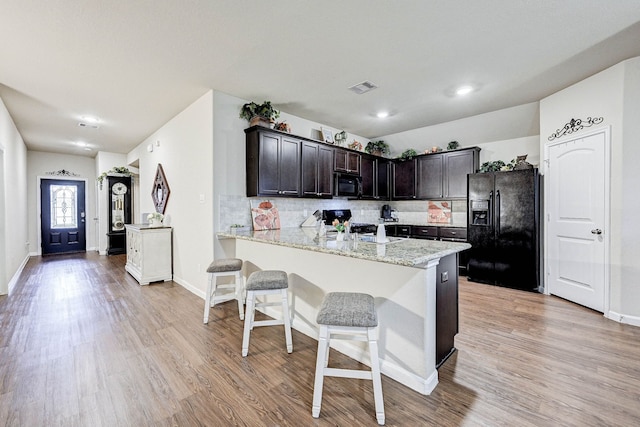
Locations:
column 408, row 154
column 259, row 114
column 377, row 148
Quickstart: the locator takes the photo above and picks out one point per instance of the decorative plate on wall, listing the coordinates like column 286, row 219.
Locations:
column 160, row 190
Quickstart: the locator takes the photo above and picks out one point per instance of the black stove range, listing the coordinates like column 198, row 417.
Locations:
column 342, row 215
column 362, row 228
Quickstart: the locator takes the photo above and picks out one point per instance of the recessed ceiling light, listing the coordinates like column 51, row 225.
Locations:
column 382, row 114
column 463, row 90
column 90, row 119
column 90, row 122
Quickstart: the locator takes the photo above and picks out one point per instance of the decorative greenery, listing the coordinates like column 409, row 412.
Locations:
column 340, row 226
column 355, row 145
column 498, row 165
column 265, row 110
column 155, row 216
column 282, row 126
column 408, row 154
column 494, row 166
column 340, row 137
column 453, row 145
column 117, row 169
column 381, row 146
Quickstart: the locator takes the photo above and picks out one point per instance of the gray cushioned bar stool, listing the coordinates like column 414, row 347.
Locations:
column 221, row 268
column 352, row 316
column 262, row 283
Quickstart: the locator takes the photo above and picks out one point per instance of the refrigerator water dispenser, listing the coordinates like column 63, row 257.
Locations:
column 479, row 212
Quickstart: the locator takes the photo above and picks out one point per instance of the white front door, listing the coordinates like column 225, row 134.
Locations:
column 577, row 181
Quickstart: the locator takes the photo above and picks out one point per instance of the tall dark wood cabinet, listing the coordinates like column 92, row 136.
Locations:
column 119, row 202
column 457, row 164
column 404, row 180
column 376, row 173
column 317, row 170
column 429, row 185
column 273, row 163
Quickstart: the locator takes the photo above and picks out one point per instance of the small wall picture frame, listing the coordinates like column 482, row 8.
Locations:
column 327, row 135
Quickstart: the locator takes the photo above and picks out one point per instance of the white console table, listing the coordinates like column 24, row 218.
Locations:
column 149, row 253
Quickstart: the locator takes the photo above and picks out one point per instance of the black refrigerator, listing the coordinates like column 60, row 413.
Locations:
column 504, row 228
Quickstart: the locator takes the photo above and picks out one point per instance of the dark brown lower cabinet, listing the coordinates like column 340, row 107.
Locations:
column 446, row 307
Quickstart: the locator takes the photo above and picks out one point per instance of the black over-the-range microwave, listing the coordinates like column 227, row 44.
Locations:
column 347, row 185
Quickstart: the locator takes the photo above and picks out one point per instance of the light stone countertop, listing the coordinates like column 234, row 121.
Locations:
column 406, row 252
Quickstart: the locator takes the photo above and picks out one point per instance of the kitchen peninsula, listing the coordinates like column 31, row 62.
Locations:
column 414, row 283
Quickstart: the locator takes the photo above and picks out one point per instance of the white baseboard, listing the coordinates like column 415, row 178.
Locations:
column 624, row 318
column 14, row 279
column 194, row 290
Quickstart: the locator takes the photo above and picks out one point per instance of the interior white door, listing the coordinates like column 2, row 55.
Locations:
column 577, row 179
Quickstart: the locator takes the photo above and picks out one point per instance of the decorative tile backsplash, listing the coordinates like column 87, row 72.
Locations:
column 233, row 209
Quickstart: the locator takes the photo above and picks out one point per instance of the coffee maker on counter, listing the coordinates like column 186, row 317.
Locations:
column 387, row 214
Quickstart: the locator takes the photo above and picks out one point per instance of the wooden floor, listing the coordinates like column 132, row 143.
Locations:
column 82, row 344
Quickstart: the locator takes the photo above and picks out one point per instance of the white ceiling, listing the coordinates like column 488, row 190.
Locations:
column 136, row 64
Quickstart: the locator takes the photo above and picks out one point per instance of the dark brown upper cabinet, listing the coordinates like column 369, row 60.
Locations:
column 404, row 180
column 273, row 164
column 347, row 161
column 375, row 172
column 430, row 172
column 437, row 176
column 317, row 170
column 457, row 164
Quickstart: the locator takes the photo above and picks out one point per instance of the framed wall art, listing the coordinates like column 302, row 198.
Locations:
column 327, row 135
column 160, row 190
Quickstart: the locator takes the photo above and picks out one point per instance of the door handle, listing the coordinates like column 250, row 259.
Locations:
column 596, row 231
column 497, row 212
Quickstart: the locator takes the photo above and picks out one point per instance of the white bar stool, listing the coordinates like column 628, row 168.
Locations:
column 221, row 268
column 260, row 283
column 351, row 316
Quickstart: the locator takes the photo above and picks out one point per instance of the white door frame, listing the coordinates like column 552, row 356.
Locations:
column 39, row 207
column 607, row 208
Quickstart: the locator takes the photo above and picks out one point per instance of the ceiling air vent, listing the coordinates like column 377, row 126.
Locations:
column 363, row 87
column 88, row 125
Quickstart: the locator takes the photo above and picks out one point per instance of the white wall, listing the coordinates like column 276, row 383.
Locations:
column 630, row 229
column 185, row 151
column 38, row 165
column 509, row 126
column 612, row 94
column 507, row 150
column 14, row 234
